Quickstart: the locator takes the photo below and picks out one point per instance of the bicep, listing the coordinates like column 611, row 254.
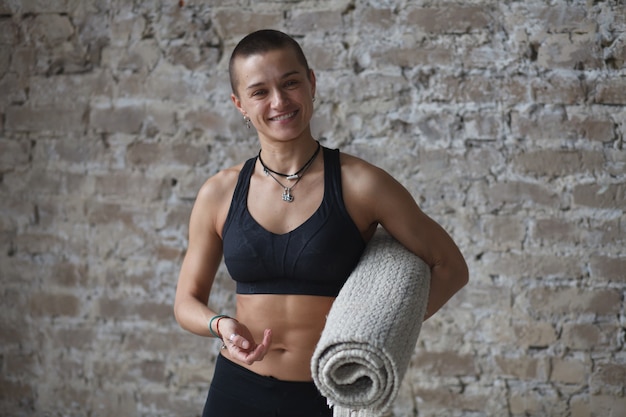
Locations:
column 398, row 212
column 203, row 255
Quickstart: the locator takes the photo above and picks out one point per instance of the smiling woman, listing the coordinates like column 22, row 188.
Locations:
column 290, row 256
column 276, row 92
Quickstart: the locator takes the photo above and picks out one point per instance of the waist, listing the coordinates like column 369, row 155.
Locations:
column 296, row 321
column 281, row 364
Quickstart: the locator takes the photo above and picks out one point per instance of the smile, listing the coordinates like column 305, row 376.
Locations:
column 283, row 117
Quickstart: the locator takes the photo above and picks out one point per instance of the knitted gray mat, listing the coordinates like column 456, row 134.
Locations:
column 372, row 329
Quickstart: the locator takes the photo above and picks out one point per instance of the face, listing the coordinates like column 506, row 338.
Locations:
column 275, row 91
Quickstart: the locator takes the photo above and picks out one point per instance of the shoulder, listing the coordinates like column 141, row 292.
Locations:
column 219, row 184
column 214, row 197
column 362, row 176
column 366, row 189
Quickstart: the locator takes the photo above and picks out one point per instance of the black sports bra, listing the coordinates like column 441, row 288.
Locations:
column 316, row 258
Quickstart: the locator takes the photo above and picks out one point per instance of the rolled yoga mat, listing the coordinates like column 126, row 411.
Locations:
column 371, row 330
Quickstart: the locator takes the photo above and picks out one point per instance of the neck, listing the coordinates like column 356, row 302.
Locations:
column 289, row 157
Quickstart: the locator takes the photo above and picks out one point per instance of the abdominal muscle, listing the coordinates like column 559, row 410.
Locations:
column 296, row 322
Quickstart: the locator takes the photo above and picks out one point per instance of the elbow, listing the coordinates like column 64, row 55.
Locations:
column 177, row 310
column 464, row 276
column 461, row 277
column 453, row 275
column 176, row 314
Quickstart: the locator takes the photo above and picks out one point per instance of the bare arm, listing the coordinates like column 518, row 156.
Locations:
column 376, row 197
column 203, row 257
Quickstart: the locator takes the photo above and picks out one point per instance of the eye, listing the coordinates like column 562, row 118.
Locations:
column 258, row 93
column 291, row 83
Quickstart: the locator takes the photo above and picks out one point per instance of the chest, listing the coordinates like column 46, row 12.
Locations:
column 274, row 212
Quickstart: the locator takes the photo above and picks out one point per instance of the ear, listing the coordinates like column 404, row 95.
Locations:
column 312, row 81
column 237, row 103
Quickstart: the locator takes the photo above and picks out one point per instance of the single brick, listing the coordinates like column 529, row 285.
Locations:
column 558, row 88
column 52, row 29
column 190, row 155
column 452, row 19
column 608, row 405
column 160, row 118
column 413, row 56
column 611, row 90
column 570, row 51
column 141, row 57
column 569, row 371
column 14, row 153
column 503, row 232
column 310, row 21
column 525, row 368
column 46, row 119
column 608, row 269
column 544, row 124
column 482, row 125
column 45, row 304
column 563, row 18
column 535, row 334
column 123, row 118
column 69, row 88
column 9, row 32
column 145, row 153
column 124, row 309
column 153, row 370
column 512, row 193
column 610, row 375
column 565, row 300
column 559, row 232
column 609, row 196
column 449, row 363
column 239, row 22
column 80, row 338
column 587, row 336
column 45, row 7
column 579, row 406
column 373, row 18
column 121, row 186
column 558, row 163
column 468, row 89
column 532, row 265
column 543, row 400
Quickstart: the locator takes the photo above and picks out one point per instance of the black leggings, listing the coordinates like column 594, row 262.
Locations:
column 239, row 392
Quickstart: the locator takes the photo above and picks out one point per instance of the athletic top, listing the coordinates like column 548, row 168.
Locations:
column 316, row 258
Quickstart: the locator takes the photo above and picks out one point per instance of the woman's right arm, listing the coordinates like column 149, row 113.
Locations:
column 203, row 257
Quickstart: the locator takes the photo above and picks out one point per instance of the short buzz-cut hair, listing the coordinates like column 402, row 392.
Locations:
column 261, row 41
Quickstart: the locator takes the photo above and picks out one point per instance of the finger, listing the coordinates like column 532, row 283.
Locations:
column 263, row 347
column 267, row 338
column 256, row 355
column 260, row 350
column 239, row 341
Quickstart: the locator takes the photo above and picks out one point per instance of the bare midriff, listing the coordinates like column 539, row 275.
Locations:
column 296, row 322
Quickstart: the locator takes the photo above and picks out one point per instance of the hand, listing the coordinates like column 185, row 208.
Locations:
column 241, row 344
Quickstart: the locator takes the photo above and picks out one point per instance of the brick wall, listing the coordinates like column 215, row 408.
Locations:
column 506, row 120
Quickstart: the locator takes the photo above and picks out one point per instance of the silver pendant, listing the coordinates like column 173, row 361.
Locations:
column 287, row 195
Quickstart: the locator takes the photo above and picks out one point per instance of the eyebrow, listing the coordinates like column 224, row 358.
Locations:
column 286, row 75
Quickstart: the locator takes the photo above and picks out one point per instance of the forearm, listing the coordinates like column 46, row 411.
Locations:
column 445, row 281
column 195, row 316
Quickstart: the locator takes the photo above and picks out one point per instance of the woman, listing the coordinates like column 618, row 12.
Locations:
column 291, row 224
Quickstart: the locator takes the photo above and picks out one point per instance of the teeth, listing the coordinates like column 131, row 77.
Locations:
column 284, row 117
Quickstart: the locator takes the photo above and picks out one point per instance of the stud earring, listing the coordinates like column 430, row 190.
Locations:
column 246, row 120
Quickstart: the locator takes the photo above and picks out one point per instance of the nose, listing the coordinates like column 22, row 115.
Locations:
column 279, row 98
